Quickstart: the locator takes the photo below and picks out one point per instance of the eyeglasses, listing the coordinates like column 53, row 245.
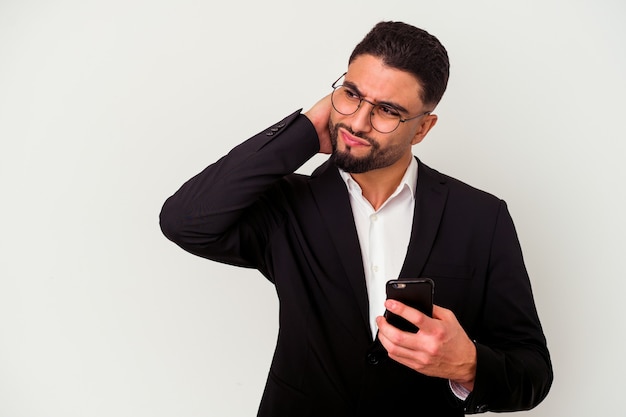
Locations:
column 383, row 117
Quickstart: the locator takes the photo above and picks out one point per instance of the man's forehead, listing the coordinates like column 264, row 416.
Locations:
column 378, row 81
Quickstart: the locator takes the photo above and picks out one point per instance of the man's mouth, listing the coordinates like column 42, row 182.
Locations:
column 351, row 140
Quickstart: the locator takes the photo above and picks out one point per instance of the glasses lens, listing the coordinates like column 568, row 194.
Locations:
column 384, row 119
column 345, row 101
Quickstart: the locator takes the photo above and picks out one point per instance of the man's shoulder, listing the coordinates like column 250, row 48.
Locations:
column 456, row 188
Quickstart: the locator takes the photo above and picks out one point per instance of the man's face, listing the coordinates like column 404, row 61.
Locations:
column 357, row 146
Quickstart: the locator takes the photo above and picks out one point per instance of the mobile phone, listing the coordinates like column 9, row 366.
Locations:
column 417, row 293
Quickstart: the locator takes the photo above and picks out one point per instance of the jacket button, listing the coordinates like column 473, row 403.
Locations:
column 372, row 359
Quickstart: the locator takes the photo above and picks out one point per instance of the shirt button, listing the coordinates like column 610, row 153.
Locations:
column 374, row 217
column 375, row 268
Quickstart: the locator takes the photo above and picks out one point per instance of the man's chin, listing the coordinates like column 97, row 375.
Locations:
column 349, row 163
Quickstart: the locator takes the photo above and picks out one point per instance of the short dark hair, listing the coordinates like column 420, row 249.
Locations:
column 410, row 49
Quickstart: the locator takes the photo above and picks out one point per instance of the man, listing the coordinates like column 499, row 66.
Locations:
column 372, row 212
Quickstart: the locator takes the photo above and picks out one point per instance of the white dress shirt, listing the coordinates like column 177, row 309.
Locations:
column 384, row 236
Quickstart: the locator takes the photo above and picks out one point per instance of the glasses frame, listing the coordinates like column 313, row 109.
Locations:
column 374, row 105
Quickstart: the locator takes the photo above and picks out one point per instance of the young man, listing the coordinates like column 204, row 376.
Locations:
column 372, row 212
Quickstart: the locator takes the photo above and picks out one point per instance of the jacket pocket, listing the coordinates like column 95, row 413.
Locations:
column 432, row 270
column 283, row 400
column 453, row 285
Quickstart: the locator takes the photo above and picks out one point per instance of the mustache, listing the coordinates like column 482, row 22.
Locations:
column 360, row 135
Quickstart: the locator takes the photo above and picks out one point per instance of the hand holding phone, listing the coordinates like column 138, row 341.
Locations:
column 415, row 293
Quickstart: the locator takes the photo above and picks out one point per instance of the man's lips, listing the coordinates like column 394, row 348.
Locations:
column 351, row 140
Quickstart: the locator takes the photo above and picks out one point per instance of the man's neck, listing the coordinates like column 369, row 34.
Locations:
column 379, row 184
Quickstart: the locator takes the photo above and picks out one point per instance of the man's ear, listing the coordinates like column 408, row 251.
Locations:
column 428, row 122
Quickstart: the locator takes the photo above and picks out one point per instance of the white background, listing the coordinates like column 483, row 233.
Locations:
column 106, row 107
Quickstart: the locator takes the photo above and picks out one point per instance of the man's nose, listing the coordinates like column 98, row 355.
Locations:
column 361, row 119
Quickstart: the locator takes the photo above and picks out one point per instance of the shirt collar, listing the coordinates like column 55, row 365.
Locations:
column 409, row 180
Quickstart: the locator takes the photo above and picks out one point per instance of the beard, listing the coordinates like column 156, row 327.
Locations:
column 377, row 157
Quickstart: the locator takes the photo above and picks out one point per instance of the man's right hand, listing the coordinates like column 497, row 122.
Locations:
column 319, row 115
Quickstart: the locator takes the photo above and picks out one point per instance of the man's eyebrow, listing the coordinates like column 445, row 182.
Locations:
column 396, row 106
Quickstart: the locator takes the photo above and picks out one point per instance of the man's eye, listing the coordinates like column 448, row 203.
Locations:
column 352, row 95
column 388, row 111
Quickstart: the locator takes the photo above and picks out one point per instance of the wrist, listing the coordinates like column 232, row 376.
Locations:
column 468, row 376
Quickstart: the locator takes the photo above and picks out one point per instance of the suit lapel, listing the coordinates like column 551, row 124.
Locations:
column 333, row 202
column 430, row 200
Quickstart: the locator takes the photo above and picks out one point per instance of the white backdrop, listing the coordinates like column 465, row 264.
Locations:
column 106, row 107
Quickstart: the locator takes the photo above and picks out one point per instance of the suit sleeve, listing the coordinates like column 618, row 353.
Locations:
column 208, row 216
column 514, row 370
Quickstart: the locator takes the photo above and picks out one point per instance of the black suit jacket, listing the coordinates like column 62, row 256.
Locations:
column 250, row 209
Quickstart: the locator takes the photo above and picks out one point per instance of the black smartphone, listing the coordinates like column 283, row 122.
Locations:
column 417, row 293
